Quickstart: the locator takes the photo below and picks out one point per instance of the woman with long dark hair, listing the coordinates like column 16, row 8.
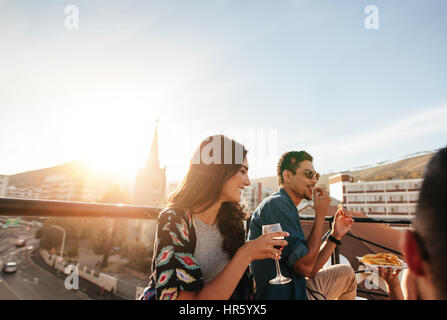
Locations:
column 200, row 250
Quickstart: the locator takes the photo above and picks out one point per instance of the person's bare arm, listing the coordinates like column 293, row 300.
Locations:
column 392, row 282
column 306, row 264
column 326, row 250
column 342, row 224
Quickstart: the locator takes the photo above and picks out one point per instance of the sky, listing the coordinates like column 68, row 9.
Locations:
column 87, row 80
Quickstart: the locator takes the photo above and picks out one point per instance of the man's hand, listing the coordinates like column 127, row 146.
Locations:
column 321, row 202
column 342, row 224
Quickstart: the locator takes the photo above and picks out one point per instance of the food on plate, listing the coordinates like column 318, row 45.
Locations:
column 381, row 259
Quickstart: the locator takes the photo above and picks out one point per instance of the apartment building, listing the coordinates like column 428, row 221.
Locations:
column 25, row 193
column 253, row 195
column 376, row 198
column 67, row 182
column 4, row 179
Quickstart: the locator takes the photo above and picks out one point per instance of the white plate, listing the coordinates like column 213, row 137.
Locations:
column 403, row 266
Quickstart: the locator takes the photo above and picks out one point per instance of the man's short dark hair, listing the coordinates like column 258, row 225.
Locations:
column 431, row 220
column 291, row 161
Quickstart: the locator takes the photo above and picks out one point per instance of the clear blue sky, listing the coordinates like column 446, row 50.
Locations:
column 308, row 70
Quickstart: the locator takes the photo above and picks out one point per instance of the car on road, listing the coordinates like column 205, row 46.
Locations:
column 10, row 267
column 20, row 243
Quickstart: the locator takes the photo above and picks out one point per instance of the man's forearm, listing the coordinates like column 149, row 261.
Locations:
column 314, row 240
column 325, row 253
column 305, row 265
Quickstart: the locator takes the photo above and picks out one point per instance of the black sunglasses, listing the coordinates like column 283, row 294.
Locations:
column 310, row 174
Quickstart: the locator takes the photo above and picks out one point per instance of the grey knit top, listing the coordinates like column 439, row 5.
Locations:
column 209, row 252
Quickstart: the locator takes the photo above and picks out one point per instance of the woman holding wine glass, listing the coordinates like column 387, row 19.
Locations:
column 200, row 250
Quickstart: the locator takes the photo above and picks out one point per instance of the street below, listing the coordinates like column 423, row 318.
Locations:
column 30, row 281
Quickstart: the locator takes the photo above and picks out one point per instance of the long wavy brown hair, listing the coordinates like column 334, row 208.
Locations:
column 202, row 187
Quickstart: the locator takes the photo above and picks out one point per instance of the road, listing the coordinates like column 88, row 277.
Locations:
column 30, row 282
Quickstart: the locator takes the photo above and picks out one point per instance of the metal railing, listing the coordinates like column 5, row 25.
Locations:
column 51, row 208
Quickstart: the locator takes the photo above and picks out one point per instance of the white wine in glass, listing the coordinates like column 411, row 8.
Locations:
column 279, row 279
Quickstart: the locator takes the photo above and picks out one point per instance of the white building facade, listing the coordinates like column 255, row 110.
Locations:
column 25, row 193
column 62, row 187
column 376, row 198
column 4, row 179
column 253, row 195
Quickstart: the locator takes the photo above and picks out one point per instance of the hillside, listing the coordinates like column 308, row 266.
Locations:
column 403, row 169
column 37, row 177
column 76, row 170
column 412, row 167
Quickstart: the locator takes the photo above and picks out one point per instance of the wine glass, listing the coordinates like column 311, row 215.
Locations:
column 279, row 279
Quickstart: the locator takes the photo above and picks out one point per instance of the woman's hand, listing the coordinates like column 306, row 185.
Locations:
column 263, row 247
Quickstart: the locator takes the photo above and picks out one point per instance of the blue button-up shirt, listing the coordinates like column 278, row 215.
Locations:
column 279, row 208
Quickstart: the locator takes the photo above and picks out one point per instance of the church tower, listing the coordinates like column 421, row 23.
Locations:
column 150, row 183
column 150, row 190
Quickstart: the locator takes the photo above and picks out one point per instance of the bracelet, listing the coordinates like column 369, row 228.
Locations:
column 332, row 239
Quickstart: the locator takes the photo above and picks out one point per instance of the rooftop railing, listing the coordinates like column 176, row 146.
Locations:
column 68, row 209
column 50, row 208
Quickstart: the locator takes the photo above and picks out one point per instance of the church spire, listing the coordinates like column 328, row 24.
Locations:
column 153, row 159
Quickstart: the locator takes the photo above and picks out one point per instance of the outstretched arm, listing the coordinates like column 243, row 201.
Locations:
column 392, row 282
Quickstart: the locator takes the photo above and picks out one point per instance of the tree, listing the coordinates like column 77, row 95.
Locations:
column 110, row 232
column 139, row 256
column 72, row 251
column 52, row 238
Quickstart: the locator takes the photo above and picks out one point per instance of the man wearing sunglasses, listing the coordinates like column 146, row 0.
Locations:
column 302, row 259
